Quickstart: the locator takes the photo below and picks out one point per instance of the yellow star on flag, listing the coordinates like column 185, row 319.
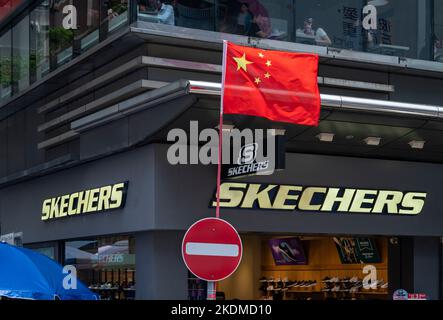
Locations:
column 242, row 62
column 268, row 63
column 261, row 55
column 257, row 80
column 267, row 75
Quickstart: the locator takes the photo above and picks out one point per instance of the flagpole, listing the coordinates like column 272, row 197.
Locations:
column 212, row 285
column 220, row 131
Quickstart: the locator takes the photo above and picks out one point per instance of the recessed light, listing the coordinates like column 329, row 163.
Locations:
column 325, row 137
column 417, row 144
column 226, row 127
column 372, row 141
column 378, row 3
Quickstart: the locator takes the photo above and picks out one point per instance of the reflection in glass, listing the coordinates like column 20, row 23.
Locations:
column 5, row 65
column 116, row 14
column 88, row 21
column 60, row 39
column 39, row 40
column 437, row 48
column 20, row 55
column 106, row 265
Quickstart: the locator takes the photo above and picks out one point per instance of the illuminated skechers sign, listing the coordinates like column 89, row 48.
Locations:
column 89, row 201
column 319, row 199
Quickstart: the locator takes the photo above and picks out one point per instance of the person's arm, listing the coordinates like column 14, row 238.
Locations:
column 322, row 37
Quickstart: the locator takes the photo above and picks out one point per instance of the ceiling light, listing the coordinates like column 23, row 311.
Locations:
column 326, row 137
column 226, row 127
column 378, row 3
column 417, row 144
column 372, row 141
column 278, row 132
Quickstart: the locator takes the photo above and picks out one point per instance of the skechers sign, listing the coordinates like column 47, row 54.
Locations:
column 88, row 201
column 319, row 199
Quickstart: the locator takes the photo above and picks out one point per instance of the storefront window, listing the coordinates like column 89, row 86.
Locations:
column 5, row 65
column 39, row 40
column 106, row 265
column 20, row 55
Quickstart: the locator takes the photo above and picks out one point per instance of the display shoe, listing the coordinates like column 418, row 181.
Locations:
column 336, row 288
column 326, row 279
column 354, row 289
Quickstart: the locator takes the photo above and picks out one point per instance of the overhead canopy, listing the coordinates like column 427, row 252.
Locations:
column 352, row 120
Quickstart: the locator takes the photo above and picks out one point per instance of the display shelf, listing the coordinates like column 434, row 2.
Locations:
column 325, row 267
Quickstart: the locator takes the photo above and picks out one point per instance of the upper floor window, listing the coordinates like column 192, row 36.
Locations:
column 403, row 28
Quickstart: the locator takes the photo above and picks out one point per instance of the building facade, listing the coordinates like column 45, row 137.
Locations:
column 84, row 119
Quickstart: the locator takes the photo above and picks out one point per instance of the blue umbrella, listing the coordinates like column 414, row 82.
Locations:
column 25, row 274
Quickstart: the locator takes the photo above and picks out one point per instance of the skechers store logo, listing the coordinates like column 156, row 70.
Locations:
column 94, row 200
column 319, row 199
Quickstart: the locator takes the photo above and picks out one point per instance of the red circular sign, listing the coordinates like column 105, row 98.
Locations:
column 212, row 249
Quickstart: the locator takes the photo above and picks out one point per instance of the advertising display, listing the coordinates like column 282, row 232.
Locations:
column 287, row 251
column 357, row 250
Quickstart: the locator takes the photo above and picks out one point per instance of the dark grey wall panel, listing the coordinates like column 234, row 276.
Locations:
column 16, row 142
column 32, row 138
column 3, row 148
column 427, row 266
column 184, row 53
column 105, row 139
column 417, row 89
column 163, row 275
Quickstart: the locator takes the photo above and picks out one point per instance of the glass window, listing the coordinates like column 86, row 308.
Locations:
column 5, row 65
column 20, row 55
column 106, row 265
column 88, row 21
column 438, row 27
column 39, row 40
column 261, row 19
column 188, row 13
column 115, row 15
column 390, row 27
column 60, row 39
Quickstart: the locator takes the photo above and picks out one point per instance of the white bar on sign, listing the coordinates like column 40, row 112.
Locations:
column 212, row 249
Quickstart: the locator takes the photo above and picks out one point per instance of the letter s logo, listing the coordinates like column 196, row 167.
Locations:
column 247, row 154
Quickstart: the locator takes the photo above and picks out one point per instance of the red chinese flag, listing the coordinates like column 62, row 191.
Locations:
column 279, row 86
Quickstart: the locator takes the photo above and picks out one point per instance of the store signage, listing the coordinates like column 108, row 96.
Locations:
column 14, row 238
column 323, row 199
column 357, row 250
column 247, row 161
column 88, row 201
column 212, row 249
column 402, row 294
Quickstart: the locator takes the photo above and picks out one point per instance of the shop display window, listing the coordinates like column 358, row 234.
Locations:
column 106, row 265
column 310, row 268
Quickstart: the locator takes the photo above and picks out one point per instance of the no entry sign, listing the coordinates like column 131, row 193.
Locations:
column 212, row 249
